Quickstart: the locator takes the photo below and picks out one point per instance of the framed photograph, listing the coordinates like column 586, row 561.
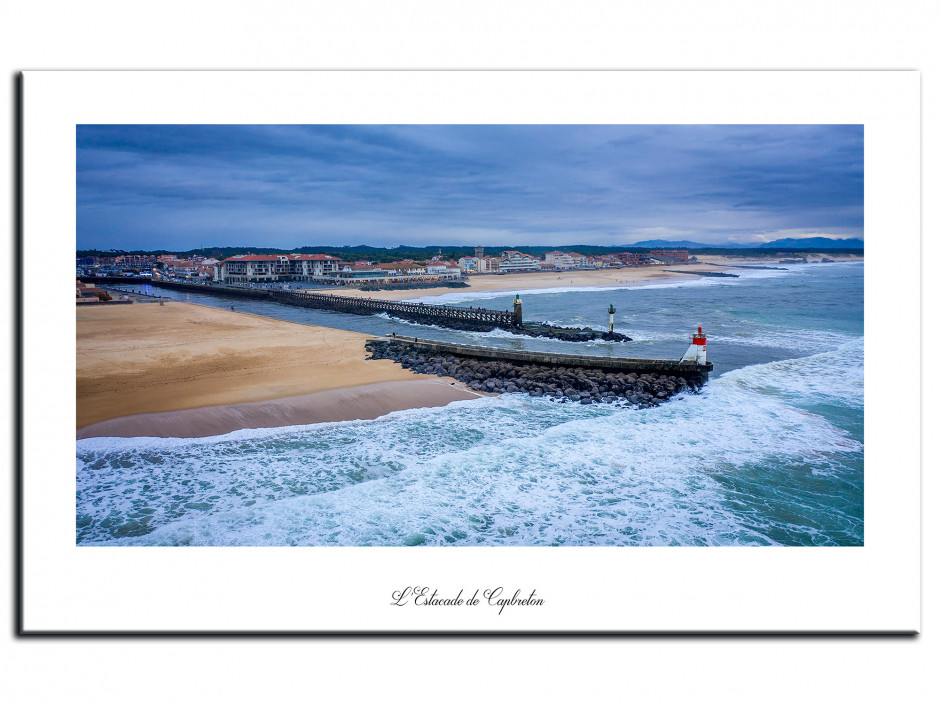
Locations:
column 499, row 352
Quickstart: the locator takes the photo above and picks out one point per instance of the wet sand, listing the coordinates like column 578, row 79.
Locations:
column 353, row 403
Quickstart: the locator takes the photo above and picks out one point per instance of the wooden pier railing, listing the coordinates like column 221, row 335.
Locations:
column 411, row 311
column 469, row 317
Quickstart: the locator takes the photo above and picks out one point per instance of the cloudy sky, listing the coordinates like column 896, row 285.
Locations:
column 187, row 186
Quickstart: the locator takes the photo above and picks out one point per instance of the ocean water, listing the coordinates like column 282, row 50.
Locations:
column 771, row 452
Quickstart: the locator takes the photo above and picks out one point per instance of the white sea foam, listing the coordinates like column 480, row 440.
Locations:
column 508, row 294
column 509, row 470
column 756, row 458
column 678, row 282
column 503, row 333
column 835, row 376
column 798, row 339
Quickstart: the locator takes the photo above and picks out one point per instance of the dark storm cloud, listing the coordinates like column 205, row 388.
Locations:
column 179, row 187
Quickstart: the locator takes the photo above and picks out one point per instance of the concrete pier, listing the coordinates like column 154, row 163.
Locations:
column 691, row 371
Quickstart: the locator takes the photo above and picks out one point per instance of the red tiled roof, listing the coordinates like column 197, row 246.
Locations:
column 252, row 258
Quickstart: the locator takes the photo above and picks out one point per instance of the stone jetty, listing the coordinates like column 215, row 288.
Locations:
column 405, row 286
column 703, row 274
column 534, row 375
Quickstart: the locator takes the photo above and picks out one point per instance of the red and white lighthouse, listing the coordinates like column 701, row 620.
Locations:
column 696, row 351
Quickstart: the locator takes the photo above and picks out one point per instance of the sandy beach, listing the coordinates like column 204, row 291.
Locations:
column 188, row 370
column 144, row 359
column 362, row 402
column 631, row 276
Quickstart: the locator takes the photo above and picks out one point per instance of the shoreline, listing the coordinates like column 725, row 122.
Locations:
column 587, row 278
column 187, row 370
column 357, row 403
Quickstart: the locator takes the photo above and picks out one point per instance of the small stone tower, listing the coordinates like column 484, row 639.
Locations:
column 517, row 311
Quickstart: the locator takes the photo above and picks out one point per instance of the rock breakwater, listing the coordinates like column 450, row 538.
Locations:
column 572, row 335
column 704, row 274
column 405, row 286
column 559, row 383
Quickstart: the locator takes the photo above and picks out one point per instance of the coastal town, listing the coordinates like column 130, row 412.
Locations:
column 245, row 368
column 329, row 270
column 548, row 383
column 103, row 357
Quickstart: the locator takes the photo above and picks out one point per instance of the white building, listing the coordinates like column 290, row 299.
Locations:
column 490, row 265
column 567, row 260
column 515, row 261
column 403, row 267
column 559, row 259
column 579, row 260
column 469, row 264
column 443, row 267
column 183, row 269
column 270, row 268
column 604, row 261
column 479, row 265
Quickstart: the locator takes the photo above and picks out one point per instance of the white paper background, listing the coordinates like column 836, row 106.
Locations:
column 874, row 588
column 488, row 34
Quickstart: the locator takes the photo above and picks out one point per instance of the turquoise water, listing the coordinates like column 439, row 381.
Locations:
column 770, row 453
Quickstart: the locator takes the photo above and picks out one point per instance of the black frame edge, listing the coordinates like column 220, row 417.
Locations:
column 17, row 382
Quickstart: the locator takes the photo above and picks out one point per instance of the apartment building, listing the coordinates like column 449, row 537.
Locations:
column 515, row 261
column 135, row 261
column 579, row 260
column 561, row 260
column 271, row 268
column 438, row 267
column 567, row 260
column 469, row 264
column 183, row 269
column 632, row 259
column 405, row 266
column 604, row 261
column 670, row 255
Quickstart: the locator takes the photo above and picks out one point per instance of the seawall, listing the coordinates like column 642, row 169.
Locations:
column 691, row 371
column 563, row 378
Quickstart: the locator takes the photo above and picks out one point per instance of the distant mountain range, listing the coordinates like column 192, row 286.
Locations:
column 810, row 243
